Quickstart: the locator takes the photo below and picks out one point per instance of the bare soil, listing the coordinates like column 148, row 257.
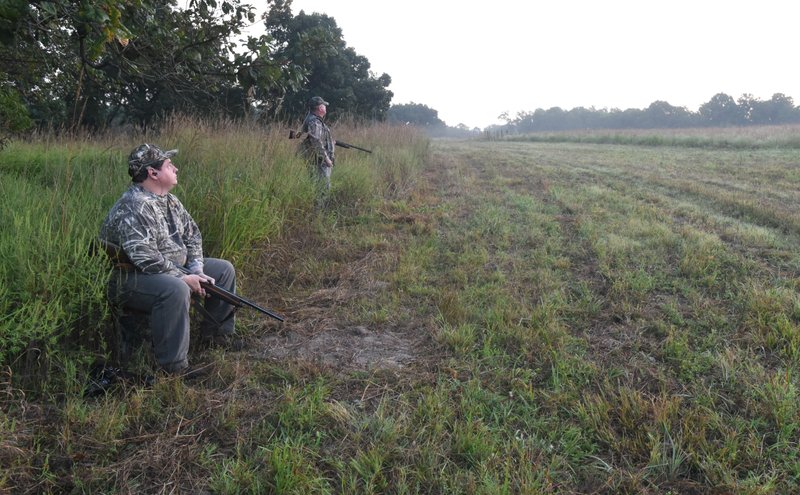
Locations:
column 321, row 327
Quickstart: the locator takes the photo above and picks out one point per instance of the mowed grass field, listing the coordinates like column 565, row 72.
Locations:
column 639, row 304
column 521, row 317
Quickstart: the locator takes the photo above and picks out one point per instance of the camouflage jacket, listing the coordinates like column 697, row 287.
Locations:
column 318, row 143
column 156, row 232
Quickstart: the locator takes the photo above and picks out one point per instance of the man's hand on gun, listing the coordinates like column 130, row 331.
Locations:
column 211, row 289
column 195, row 281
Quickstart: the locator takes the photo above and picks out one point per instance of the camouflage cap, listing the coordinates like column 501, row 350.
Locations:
column 316, row 101
column 147, row 155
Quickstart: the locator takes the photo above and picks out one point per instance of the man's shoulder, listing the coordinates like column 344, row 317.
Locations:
column 134, row 192
column 312, row 119
column 135, row 200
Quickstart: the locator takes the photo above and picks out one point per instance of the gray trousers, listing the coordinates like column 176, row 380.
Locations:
column 166, row 299
column 321, row 176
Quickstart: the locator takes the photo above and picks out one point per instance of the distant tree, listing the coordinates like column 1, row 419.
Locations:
column 415, row 114
column 629, row 118
column 523, row 121
column 661, row 114
column 779, row 109
column 42, row 43
column 750, row 109
column 332, row 69
column 721, row 110
column 580, row 118
column 554, row 118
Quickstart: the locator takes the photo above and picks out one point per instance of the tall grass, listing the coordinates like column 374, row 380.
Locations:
column 48, row 200
column 243, row 184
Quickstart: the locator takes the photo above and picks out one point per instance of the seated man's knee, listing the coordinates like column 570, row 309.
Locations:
column 219, row 268
column 226, row 266
column 176, row 289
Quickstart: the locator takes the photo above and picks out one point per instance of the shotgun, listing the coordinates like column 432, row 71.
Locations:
column 231, row 298
column 346, row 146
column 296, row 135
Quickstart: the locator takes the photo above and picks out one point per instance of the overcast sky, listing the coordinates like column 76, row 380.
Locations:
column 472, row 60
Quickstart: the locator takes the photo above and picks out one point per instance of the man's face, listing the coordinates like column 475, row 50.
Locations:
column 167, row 176
column 322, row 110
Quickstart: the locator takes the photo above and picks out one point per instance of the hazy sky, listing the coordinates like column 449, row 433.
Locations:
column 472, row 60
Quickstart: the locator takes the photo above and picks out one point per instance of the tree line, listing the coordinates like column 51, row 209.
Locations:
column 720, row 111
column 94, row 64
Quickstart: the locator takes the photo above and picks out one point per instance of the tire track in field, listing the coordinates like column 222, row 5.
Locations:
column 611, row 340
column 670, row 198
column 755, row 261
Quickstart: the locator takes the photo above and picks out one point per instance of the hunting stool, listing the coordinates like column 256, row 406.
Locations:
column 131, row 327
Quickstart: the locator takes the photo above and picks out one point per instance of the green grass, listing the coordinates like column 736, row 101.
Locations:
column 754, row 137
column 583, row 318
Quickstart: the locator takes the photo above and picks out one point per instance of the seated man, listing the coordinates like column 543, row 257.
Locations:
column 158, row 235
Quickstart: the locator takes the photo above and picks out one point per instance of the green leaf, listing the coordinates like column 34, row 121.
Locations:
column 49, row 7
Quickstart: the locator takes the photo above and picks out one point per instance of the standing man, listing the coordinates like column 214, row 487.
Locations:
column 318, row 148
column 159, row 236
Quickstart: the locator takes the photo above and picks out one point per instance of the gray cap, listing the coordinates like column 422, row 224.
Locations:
column 147, row 155
column 316, row 101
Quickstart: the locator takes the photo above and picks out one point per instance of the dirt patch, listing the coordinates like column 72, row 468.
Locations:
column 351, row 348
column 321, row 330
column 325, row 281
